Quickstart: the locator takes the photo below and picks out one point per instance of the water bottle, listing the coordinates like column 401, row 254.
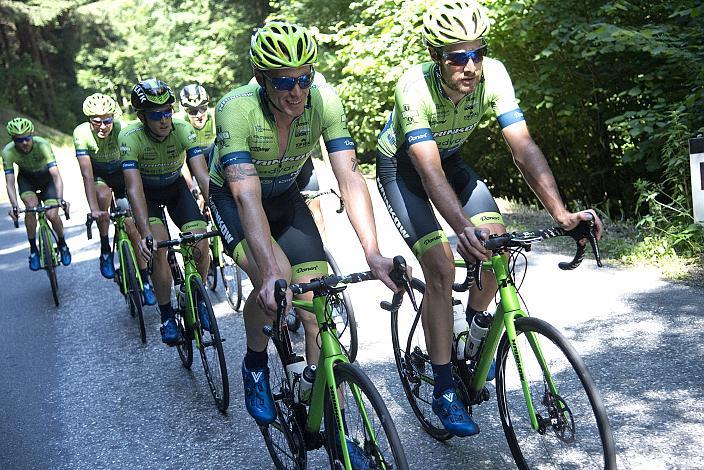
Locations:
column 181, row 296
column 306, row 385
column 294, row 372
column 477, row 332
column 459, row 327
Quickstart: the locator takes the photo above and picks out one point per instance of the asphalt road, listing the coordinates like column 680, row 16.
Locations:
column 79, row 391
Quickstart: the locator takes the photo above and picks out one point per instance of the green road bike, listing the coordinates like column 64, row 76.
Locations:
column 127, row 275
column 341, row 399
column 230, row 273
column 191, row 295
column 48, row 250
column 551, row 411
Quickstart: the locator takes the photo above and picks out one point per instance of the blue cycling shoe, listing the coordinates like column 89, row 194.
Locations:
column 107, row 266
column 34, row 263
column 492, row 371
column 148, row 295
column 169, row 331
column 358, row 458
column 65, row 255
column 204, row 317
column 449, row 408
column 257, row 395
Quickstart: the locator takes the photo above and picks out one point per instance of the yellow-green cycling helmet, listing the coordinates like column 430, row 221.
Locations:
column 98, row 104
column 451, row 21
column 280, row 45
column 19, row 126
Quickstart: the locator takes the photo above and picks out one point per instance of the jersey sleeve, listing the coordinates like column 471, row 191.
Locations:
column 48, row 155
column 334, row 121
column 189, row 138
column 129, row 149
column 410, row 109
column 233, row 130
column 502, row 94
column 80, row 143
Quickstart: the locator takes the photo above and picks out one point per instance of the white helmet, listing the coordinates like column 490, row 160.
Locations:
column 193, row 95
column 451, row 21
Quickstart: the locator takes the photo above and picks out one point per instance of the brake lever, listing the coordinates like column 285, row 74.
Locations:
column 150, row 246
column 89, row 223
column 400, row 276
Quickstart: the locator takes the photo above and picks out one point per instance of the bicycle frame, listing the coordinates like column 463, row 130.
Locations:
column 124, row 248
column 43, row 225
column 507, row 311
column 190, row 270
column 330, row 355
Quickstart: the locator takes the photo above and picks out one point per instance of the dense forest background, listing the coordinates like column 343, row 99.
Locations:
column 612, row 90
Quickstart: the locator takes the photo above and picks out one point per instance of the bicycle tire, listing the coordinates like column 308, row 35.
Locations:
column 47, row 248
column 212, row 278
column 284, row 437
column 345, row 321
column 360, row 415
column 134, row 292
column 557, row 413
column 414, row 368
column 212, row 355
column 232, row 280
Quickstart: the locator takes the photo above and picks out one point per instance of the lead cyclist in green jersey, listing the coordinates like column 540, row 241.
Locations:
column 38, row 173
column 153, row 152
column 437, row 106
column 98, row 155
column 266, row 133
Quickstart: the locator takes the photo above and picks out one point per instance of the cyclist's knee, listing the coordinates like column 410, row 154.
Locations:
column 438, row 270
column 495, row 229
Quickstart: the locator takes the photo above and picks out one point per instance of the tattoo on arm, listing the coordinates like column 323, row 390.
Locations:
column 234, row 173
column 355, row 164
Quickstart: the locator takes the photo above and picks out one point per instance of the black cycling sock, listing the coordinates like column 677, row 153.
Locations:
column 104, row 244
column 255, row 359
column 61, row 242
column 33, row 245
column 442, row 373
column 144, row 275
column 166, row 312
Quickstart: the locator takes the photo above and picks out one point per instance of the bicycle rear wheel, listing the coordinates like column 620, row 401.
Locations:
column 284, row 437
column 232, row 280
column 48, row 258
column 573, row 428
column 134, row 291
column 343, row 315
column 211, row 353
column 413, row 364
column 370, row 433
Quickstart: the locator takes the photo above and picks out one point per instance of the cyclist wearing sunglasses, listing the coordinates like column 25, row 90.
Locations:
column 266, row 132
column 38, row 175
column 153, row 152
column 437, row 106
column 98, row 156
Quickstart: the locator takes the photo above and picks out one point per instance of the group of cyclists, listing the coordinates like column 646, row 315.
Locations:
column 246, row 157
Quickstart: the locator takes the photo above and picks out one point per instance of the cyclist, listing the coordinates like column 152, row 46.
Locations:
column 153, row 151
column 266, row 133
column 38, row 172
column 98, row 156
column 437, row 106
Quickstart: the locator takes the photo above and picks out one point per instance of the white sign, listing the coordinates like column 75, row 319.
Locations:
column 696, row 166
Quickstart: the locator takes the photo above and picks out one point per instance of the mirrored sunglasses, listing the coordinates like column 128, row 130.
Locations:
column 98, row 121
column 159, row 115
column 196, row 111
column 288, row 83
column 463, row 57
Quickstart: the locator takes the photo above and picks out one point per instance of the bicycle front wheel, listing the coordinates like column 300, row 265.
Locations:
column 232, row 280
column 284, row 437
column 370, row 435
column 47, row 252
column 211, row 352
column 343, row 316
column 134, row 291
column 573, row 428
column 413, row 363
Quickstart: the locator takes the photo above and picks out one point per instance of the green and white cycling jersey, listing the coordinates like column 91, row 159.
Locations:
column 422, row 110
column 205, row 136
column 159, row 163
column 38, row 160
column 104, row 153
column 247, row 134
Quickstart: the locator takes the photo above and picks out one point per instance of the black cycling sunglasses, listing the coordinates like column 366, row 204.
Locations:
column 197, row 111
column 288, row 83
column 463, row 57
